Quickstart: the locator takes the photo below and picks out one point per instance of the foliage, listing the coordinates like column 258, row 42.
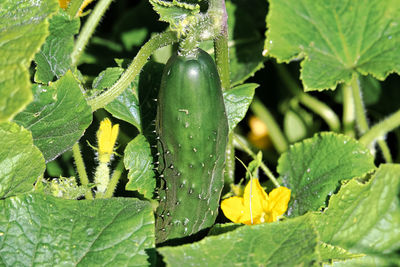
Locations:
column 80, row 178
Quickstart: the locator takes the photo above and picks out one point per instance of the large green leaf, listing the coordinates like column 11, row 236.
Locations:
column 40, row 230
column 313, row 169
column 245, row 42
column 365, row 217
column 23, row 27
column 57, row 117
column 237, row 101
column 54, row 58
column 335, row 38
column 139, row 161
column 21, row 163
column 126, row 106
column 290, row 243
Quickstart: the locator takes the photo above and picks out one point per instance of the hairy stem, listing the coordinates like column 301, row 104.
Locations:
column 221, row 46
column 277, row 137
column 348, row 111
column 264, row 167
column 159, row 40
column 88, row 29
column 80, row 166
column 361, row 117
column 114, row 179
column 312, row 103
column 222, row 62
column 380, row 129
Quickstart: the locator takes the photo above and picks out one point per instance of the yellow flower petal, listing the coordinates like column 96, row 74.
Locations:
column 106, row 137
column 279, row 200
column 258, row 198
column 263, row 208
column 233, row 208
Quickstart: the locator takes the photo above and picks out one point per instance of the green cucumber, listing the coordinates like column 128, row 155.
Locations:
column 192, row 131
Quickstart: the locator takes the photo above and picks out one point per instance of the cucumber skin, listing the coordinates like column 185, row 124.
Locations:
column 193, row 132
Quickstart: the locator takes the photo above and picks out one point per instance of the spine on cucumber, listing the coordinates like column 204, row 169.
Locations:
column 192, row 128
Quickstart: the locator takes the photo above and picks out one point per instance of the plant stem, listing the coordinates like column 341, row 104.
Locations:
column 381, row 129
column 264, row 167
column 277, row 137
column 221, row 46
column 137, row 64
column 80, row 166
column 222, row 62
column 73, row 7
column 385, row 150
column 348, row 111
column 229, row 176
column 318, row 107
column 361, row 117
column 114, row 179
column 88, row 29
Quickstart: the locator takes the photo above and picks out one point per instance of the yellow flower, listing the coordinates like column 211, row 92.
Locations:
column 263, row 208
column 106, row 138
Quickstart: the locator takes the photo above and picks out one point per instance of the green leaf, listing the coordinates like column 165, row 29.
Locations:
column 237, row 101
column 57, row 117
column 21, row 163
column 46, row 231
column 365, row 217
column 335, row 38
column 245, row 43
column 53, row 59
column 107, row 78
column 289, row 243
column 23, row 30
column 383, row 260
column 175, row 12
column 139, row 161
column 313, row 169
column 126, row 106
column 330, row 254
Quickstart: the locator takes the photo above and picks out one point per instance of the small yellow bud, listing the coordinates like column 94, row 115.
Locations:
column 106, row 138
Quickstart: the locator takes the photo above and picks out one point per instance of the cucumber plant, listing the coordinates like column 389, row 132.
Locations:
column 53, row 95
column 192, row 131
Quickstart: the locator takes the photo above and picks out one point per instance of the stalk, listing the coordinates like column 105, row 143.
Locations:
column 379, row 130
column 361, row 117
column 264, row 167
column 277, row 137
column 88, row 29
column 158, row 41
column 80, row 166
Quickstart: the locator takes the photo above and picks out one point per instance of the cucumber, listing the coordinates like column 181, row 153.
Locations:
column 192, row 131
